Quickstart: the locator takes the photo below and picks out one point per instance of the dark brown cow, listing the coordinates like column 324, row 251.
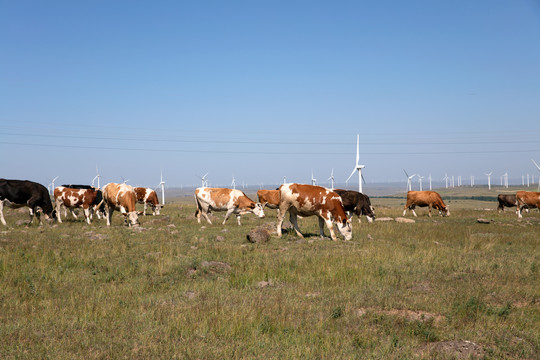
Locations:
column 527, row 198
column 221, row 199
column 309, row 200
column 120, row 197
column 356, row 202
column 89, row 199
column 506, row 200
column 148, row 196
column 19, row 193
column 430, row 199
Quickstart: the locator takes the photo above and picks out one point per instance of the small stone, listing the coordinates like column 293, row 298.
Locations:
column 263, row 284
column 369, row 237
column 405, row 220
column 258, row 235
column 220, row 238
column 483, row 221
column 384, row 219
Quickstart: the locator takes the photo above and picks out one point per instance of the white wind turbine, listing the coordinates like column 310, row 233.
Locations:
column 96, row 177
column 538, row 167
column 284, row 180
column 162, row 184
column 313, row 180
column 233, row 183
column 51, row 185
column 331, row 178
column 445, row 178
column 489, row 180
column 505, row 176
column 204, row 181
column 420, row 181
column 409, row 180
column 358, row 167
column 124, row 180
column 429, row 181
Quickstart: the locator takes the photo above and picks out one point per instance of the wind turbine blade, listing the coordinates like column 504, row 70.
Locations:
column 534, row 162
column 350, row 175
column 364, row 180
column 405, row 173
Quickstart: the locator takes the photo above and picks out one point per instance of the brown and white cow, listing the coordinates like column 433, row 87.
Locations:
column 530, row 199
column 269, row 198
column 88, row 198
column 148, row 196
column 431, row 199
column 221, row 199
column 120, row 197
column 309, row 200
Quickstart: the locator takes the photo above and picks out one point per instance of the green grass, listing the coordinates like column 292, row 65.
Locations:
column 73, row 291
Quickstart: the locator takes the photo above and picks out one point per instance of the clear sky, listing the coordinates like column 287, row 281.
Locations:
column 266, row 89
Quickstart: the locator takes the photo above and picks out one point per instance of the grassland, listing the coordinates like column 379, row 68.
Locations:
column 439, row 288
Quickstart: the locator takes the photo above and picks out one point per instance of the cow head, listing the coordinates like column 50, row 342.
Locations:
column 446, row 211
column 345, row 228
column 132, row 217
column 257, row 209
column 157, row 208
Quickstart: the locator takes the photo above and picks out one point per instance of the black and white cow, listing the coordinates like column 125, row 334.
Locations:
column 18, row 193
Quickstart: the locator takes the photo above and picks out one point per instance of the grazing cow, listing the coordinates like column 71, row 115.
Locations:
column 425, row 198
column 269, row 198
column 86, row 197
column 508, row 201
column 120, row 197
column 19, row 193
column 309, row 200
column 219, row 199
column 148, row 196
column 354, row 201
column 527, row 198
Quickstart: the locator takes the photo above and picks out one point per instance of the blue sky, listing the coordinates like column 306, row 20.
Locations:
column 268, row 89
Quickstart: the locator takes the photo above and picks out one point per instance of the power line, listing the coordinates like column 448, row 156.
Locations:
column 288, row 153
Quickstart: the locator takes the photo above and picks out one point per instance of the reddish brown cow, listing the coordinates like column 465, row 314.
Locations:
column 269, row 198
column 221, row 199
column 89, row 199
column 430, row 199
column 527, row 198
column 148, row 196
column 120, row 197
column 308, row 200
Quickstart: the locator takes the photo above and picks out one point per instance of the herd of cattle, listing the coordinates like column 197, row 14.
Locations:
column 330, row 206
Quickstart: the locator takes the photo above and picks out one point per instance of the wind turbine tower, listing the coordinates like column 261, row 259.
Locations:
column 331, row 178
column 162, row 184
column 358, row 167
column 51, row 185
column 204, row 181
column 429, row 181
column 233, row 183
column 409, row 180
column 446, row 179
column 96, row 177
column 420, row 181
column 489, row 180
column 538, row 167
column 313, row 180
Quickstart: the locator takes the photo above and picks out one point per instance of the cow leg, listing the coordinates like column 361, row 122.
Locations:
column 109, row 209
column 331, row 229
column 293, row 217
column 87, row 215
column 413, row 212
column 358, row 214
column 238, row 219
column 519, row 209
column 74, row 214
column 429, row 210
column 2, row 213
column 280, row 216
column 58, row 209
column 321, row 227
column 405, row 210
column 144, row 211
column 229, row 212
